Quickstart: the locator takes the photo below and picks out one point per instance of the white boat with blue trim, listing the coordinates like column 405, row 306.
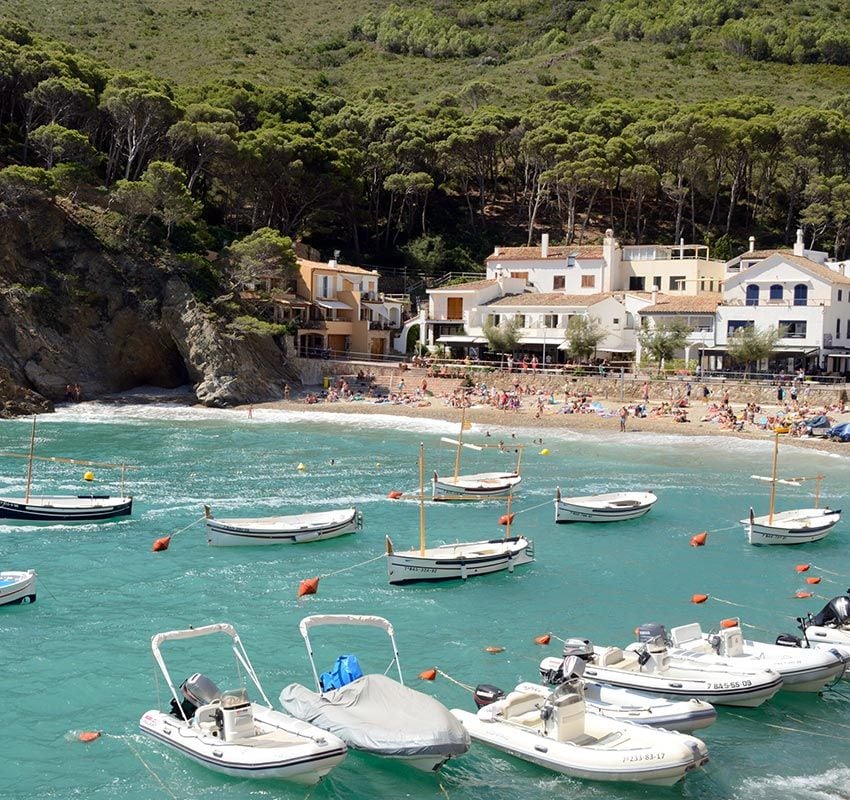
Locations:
column 285, row 529
column 607, row 507
column 17, row 587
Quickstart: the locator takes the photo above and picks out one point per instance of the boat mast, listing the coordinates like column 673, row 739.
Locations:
column 508, row 519
column 29, row 464
column 460, row 440
column 421, row 499
column 773, row 477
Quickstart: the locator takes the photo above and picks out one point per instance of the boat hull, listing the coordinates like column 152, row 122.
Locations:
column 65, row 508
column 482, row 486
column 459, row 561
column 17, row 587
column 662, row 762
column 307, row 761
column 799, row 526
column 610, row 507
column 293, row 529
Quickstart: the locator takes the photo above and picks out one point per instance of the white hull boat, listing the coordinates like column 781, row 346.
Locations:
column 828, row 629
column 797, row 526
column 482, row 486
column 289, row 529
column 622, row 704
column 227, row 733
column 558, row 732
column 374, row 713
column 608, row 507
column 89, row 507
column 647, row 667
column 801, row 670
column 461, row 560
column 17, row 587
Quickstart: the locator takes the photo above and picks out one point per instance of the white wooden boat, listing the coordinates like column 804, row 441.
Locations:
column 289, row 529
column 648, row 667
column 608, row 507
column 623, row 704
column 32, row 507
column 17, row 587
column 477, row 486
column 228, row 733
column 797, row 526
column 374, row 713
column 460, row 560
column 559, row 732
column 801, row 670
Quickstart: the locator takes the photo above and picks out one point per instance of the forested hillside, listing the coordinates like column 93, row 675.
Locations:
column 431, row 132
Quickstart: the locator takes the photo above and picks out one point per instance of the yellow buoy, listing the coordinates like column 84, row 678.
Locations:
column 378, row 464
column 300, row 467
column 88, row 476
column 544, row 451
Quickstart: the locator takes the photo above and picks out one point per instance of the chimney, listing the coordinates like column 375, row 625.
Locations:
column 752, row 244
column 497, row 251
column 798, row 245
column 332, row 263
column 544, row 245
column 654, row 296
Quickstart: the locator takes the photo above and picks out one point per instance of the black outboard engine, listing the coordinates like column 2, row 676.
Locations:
column 835, row 613
column 485, row 694
column 789, row 640
column 197, row 690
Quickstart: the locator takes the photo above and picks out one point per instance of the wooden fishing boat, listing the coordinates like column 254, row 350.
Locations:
column 477, row 486
column 608, row 507
column 64, row 508
column 460, row 560
column 288, row 529
column 17, row 587
column 796, row 526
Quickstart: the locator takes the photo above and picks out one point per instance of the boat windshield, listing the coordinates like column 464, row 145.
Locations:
column 234, row 698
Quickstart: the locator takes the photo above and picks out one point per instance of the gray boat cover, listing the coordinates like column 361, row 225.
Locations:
column 380, row 716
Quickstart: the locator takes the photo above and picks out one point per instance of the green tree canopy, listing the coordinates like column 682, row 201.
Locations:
column 584, row 333
column 262, row 252
column 661, row 342
column 749, row 345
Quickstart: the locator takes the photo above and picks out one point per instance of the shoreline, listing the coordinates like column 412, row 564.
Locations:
column 525, row 418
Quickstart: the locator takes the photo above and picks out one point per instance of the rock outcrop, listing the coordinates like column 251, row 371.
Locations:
column 73, row 310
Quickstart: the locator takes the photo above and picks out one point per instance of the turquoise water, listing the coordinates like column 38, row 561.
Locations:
column 79, row 659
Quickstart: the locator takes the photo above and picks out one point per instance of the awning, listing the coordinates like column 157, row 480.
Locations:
column 333, row 304
column 461, row 340
column 837, row 355
column 600, row 349
column 789, row 349
column 548, row 340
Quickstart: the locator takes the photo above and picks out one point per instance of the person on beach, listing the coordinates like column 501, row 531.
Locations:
column 705, row 394
column 624, row 412
column 645, row 392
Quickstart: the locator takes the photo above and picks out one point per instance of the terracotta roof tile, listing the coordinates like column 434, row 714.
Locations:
column 556, row 253
column 549, row 299
column 303, row 262
column 465, row 287
column 684, row 304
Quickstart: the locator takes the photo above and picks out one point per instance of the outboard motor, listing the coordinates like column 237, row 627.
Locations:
column 789, row 640
column 485, row 694
column 652, row 633
column 580, row 648
column 197, row 690
column 835, row 613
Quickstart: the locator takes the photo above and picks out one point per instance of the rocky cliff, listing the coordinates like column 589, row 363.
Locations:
column 74, row 310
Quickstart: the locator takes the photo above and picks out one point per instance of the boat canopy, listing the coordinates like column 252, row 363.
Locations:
column 344, row 619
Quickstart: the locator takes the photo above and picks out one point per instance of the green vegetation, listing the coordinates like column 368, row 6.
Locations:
column 583, row 336
column 749, row 345
column 661, row 342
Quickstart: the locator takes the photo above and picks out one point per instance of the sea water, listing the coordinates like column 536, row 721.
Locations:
column 80, row 659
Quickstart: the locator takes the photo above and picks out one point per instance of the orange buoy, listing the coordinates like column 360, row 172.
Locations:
column 394, row 494
column 699, row 598
column 698, row 540
column 731, row 622
column 428, row 674
column 544, row 639
column 802, row 567
column 802, row 595
column 494, row 649
column 88, row 736
column 813, row 579
column 506, row 519
column 308, row 586
column 161, row 544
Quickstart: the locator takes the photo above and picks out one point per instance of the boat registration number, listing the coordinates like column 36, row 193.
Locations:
column 643, row 757
column 732, row 685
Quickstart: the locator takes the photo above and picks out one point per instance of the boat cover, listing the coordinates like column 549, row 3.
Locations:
column 379, row 715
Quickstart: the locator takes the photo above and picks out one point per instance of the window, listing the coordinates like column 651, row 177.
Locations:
column 324, row 286
column 520, row 275
column 494, row 320
column 801, row 294
column 519, row 319
column 550, row 320
column 588, row 281
column 677, row 283
column 571, row 261
column 615, row 321
column 792, row 329
column 838, row 329
column 752, row 295
column 738, row 324
column 636, row 283
column 839, row 295
column 776, row 291
column 560, row 282
column 656, row 282
column 454, row 308
column 848, row 329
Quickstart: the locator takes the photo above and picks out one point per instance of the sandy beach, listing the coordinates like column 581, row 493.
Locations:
column 526, row 418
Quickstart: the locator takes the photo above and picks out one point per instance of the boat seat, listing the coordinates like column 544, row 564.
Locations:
column 518, row 704
column 686, row 633
column 611, row 656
